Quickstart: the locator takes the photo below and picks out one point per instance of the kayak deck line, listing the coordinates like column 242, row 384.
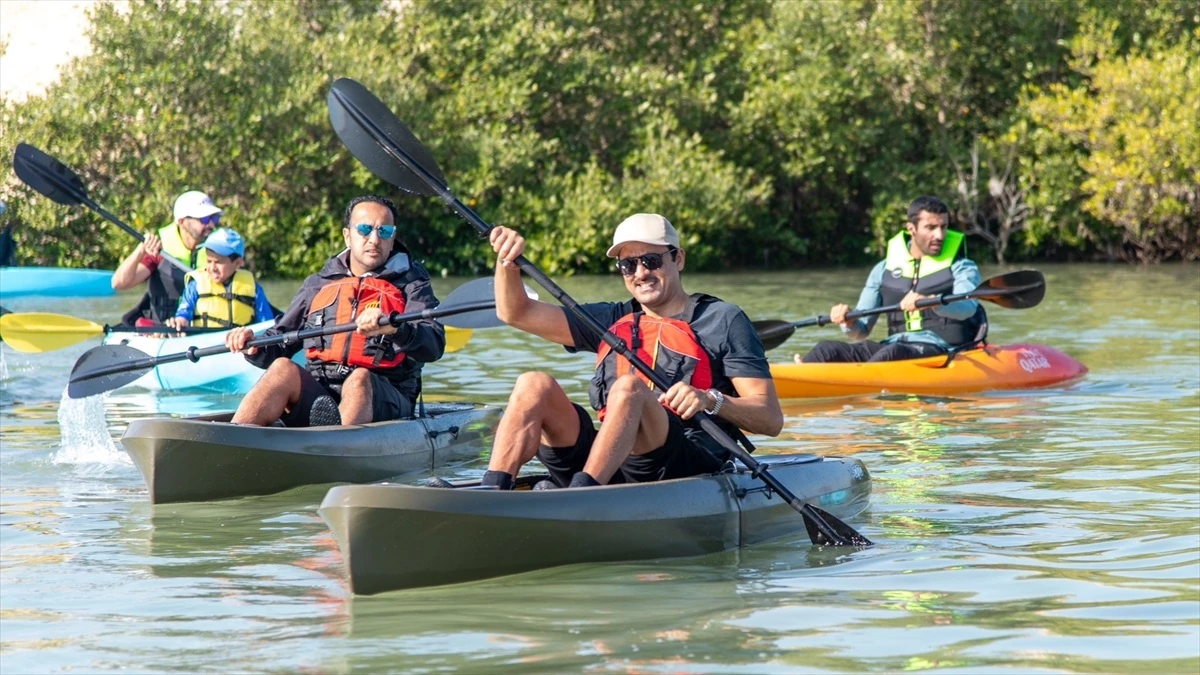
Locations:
column 1017, row 366
column 208, row 458
column 394, row 537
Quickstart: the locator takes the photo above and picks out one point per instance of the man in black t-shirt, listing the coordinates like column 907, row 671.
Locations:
column 705, row 347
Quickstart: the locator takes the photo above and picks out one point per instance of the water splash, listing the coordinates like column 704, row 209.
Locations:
column 84, row 432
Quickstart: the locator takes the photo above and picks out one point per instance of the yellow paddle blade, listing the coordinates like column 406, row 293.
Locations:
column 38, row 332
column 456, row 338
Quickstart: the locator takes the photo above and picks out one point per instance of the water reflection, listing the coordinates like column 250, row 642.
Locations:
column 572, row 617
column 1042, row 531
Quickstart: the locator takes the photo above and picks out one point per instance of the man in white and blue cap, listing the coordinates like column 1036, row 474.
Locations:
column 195, row 217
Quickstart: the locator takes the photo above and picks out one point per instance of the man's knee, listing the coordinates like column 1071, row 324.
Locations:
column 532, row 388
column 358, row 377
column 282, row 373
column 627, row 388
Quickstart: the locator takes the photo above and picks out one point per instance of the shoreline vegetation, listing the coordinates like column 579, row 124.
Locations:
column 774, row 133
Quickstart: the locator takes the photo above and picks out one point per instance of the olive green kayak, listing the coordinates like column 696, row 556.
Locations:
column 402, row 536
column 206, row 458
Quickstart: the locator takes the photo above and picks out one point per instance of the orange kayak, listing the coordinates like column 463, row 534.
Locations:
column 990, row 367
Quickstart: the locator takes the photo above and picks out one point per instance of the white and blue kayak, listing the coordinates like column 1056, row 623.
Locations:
column 59, row 282
column 218, row 374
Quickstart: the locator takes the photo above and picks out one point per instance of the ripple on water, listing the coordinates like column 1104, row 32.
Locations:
column 1054, row 530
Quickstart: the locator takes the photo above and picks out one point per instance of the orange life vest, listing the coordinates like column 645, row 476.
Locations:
column 667, row 345
column 340, row 301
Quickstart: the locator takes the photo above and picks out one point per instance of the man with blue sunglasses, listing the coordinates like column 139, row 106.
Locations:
column 370, row 375
column 196, row 216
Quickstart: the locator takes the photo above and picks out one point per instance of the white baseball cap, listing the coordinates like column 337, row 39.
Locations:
column 647, row 228
column 195, row 204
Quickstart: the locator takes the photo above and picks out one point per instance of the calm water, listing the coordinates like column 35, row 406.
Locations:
column 1042, row 531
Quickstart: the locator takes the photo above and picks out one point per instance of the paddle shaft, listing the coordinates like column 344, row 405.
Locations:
column 134, row 233
column 193, row 354
column 87, row 201
column 757, row 469
column 944, row 299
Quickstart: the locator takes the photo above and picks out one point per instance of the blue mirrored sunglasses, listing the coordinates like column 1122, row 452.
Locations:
column 214, row 220
column 385, row 231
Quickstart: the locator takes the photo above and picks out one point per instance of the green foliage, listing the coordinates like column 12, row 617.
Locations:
column 1131, row 134
column 771, row 132
column 225, row 97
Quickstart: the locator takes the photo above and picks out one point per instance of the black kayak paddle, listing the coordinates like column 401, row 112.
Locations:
column 1014, row 290
column 386, row 146
column 58, row 182
column 107, row 367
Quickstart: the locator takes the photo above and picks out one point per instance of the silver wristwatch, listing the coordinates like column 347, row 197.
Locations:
column 720, row 401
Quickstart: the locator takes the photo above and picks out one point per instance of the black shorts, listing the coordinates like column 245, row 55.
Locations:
column 387, row 402
column 679, row 457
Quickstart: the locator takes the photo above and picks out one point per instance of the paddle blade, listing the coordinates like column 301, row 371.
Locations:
column 36, row 332
column 472, row 292
column 457, row 338
column 825, row 529
column 1013, row 290
column 363, row 123
column 91, row 375
column 48, row 175
column 773, row 332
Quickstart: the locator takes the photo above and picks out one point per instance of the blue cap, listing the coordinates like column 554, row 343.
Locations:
column 226, row 242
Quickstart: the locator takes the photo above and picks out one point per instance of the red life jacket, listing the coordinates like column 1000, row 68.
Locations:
column 340, row 301
column 667, row 345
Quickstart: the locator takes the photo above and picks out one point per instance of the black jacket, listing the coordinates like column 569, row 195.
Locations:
column 424, row 343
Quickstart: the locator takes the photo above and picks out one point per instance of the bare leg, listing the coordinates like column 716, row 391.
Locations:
column 635, row 423
column 277, row 391
column 358, row 398
column 538, row 412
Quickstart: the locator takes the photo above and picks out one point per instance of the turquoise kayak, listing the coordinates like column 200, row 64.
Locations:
column 59, row 282
column 219, row 374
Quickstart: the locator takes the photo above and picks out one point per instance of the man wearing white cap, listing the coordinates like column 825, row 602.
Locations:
column 195, row 218
column 705, row 347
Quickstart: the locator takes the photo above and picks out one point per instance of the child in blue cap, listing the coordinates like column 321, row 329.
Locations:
column 222, row 295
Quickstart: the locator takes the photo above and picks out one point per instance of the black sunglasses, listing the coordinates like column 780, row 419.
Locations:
column 651, row 261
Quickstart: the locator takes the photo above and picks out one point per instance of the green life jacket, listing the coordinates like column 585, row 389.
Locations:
column 928, row 275
column 167, row 282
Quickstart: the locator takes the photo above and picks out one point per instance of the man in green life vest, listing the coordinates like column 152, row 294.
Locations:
column 195, row 218
column 925, row 260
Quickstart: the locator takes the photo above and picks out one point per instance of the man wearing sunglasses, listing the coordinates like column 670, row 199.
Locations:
column 370, row 375
column 195, row 218
column 704, row 346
